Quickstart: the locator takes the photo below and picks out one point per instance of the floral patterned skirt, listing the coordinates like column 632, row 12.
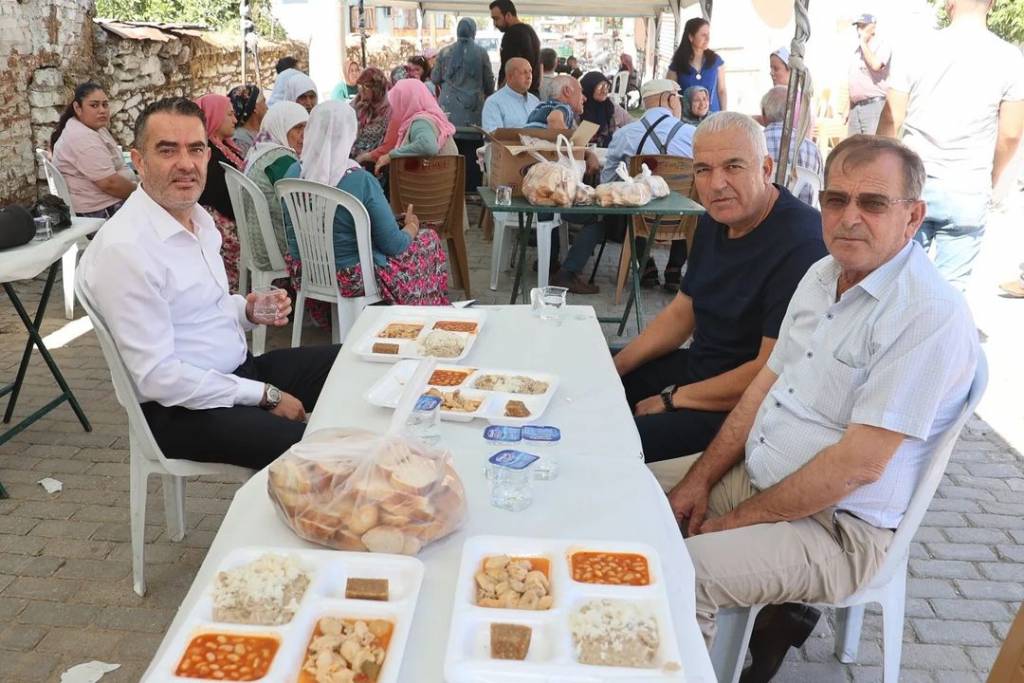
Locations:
column 230, row 249
column 416, row 277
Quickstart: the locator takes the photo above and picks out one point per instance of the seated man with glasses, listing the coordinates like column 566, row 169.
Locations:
column 797, row 497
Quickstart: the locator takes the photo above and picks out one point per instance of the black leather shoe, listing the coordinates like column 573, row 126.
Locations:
column 776, row 629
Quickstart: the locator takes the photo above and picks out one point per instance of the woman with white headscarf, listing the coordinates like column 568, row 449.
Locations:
column 278, row 146
column 409, row 263
column 294, row 86
column 463, row 73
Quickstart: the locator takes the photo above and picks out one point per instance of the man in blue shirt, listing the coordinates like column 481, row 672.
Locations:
column 510, row 106
column 561, row 110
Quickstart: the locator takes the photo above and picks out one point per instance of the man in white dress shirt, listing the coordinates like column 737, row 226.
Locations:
column 155, row 275
column 797, row 497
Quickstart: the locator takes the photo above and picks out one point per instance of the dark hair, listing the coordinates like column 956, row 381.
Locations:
column 548, row 58
column 504, row 6
column 82, row 91
column 181, row 106
column 422, row 63
column 285, row 63
column 860, row 149
column 684, row 53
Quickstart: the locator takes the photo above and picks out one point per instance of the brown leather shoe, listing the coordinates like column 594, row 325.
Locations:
column 574, row 283
column 776, row 629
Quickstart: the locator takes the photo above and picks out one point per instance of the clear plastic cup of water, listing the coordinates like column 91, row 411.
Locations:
column 544, row 438
column 547, row 302
column 265, row 309
column 511, row 480
column 43, row 230
column 503, row 195
column 424, row 422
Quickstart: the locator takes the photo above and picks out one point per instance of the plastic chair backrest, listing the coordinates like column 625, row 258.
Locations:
column 54, row 179
column 925, row 491
column 312, row 207
column 245, row 193
column 620, row 82
column 435, row 186
column 678, row 173
column 807, row 182
column 124, row 385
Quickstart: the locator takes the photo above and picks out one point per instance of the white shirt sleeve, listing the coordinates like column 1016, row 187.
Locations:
column 140, row 322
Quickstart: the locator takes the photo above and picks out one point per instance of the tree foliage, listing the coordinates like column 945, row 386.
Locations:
column 217, row 14
column 1006, row 19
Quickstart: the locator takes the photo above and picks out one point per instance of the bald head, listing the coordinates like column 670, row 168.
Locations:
column 518, row 74
column 568, row 90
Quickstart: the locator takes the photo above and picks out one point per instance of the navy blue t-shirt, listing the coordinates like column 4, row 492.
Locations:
column 741, row 287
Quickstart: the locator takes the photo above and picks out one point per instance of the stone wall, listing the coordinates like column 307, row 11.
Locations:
column 48, row 46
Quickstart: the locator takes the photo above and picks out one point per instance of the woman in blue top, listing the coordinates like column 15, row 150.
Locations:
column 409, row 263
column 694, row 64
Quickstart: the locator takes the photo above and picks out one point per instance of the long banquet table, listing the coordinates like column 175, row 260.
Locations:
column 604, row 491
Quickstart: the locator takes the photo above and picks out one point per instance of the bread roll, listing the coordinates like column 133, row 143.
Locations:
column 384, row 539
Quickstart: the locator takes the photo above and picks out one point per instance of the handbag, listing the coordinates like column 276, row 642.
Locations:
column 53, row 207
column 16, row 226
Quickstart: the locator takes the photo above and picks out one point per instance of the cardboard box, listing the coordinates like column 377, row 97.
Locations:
column 509, row 159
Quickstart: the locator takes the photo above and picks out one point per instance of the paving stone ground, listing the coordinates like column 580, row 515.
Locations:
column 65, row 559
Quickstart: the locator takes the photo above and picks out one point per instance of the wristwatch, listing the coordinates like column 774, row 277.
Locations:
column 271, row 397
column 666, row 398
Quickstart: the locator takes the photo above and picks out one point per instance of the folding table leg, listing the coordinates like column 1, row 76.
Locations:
column 635, row 296
column 524, row 240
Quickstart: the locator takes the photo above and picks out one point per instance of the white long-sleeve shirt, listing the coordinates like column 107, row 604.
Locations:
column 164, row 295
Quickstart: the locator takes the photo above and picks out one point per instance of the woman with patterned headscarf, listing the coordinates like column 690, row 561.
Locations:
column 409, row 263
column 250, row 107
column 220, row 126
column 696, row 102
column 372, row 110
column 463, row 73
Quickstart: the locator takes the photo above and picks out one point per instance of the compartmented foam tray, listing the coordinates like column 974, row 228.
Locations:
column 553, row 654
column 286, row 645
column 401, row 332
column 448, row 379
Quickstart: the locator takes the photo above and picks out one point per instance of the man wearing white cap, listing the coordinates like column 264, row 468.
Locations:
column 869, row 69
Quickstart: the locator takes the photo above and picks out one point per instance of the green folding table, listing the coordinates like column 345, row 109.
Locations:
column 672, row 206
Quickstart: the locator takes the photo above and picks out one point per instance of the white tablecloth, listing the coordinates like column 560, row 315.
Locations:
column 604, row 490
column 28, row 260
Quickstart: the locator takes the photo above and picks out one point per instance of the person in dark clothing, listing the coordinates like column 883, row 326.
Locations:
column 519, row 40
column 749, row 252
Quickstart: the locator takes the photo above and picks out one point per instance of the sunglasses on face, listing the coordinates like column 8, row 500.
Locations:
column 834, row 200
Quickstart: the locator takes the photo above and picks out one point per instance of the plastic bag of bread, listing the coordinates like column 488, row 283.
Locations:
column 554, row 183
column 625, row 192
column 659, row 188
column 355, row 490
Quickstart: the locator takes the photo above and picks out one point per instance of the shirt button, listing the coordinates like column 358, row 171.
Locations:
column 810, row 354
column 791, row 390
column 779, row 405
column 761, row 439
column 829, row 316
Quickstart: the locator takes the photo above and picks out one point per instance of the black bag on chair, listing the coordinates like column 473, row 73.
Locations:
column 16, row 227
column 53, row 207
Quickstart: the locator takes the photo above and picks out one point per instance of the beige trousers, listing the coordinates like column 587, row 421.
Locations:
column 823, row 558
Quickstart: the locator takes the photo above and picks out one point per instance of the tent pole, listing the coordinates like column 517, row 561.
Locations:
column 799, row 91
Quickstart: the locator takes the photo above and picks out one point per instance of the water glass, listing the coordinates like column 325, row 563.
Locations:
column 265, row 308
column 548, row 302
column 43, row 231
column 424, row 422
column 511, row 489
column 503, row 195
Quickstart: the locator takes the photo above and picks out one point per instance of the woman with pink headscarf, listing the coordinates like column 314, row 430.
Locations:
column 220, row 126
column 417, row 127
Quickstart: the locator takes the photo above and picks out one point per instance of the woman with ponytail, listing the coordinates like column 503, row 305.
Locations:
column 87, row 156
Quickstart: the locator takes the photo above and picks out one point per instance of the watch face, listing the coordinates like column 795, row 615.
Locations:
column 274, row 395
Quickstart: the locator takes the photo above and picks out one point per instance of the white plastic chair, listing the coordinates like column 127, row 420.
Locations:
column 242, row 191
column 59, row 187
column 888, row 587
column 311, row 207
column 620, row 82
column 500, row 246
column 145, row 455
column 807, row 181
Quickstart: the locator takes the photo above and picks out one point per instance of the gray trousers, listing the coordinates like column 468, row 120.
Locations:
column 864, row 117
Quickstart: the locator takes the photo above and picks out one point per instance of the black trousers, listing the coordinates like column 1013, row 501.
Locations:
column 675, row 434
column 245, row 435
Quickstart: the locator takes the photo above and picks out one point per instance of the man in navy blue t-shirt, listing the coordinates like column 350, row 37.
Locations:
column 749, row 252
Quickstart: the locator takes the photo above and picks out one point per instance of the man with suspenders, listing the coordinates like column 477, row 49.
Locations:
column 659, row 131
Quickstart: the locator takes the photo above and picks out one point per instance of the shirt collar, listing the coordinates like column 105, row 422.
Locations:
column 513, row 93
column 164, row 224
column 877, row 281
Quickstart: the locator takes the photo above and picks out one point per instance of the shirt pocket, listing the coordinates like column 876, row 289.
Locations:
column 839, row 375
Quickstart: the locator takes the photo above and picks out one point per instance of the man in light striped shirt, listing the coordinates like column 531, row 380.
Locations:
column 797, row 497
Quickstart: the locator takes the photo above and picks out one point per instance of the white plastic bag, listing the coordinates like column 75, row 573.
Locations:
column 352, row 489
column 625, row 192
column 659, row 188
column 554, row 183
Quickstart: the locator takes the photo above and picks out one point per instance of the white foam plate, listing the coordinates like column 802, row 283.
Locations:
column 325, row 596
column 387, row 391
column 427, row 316
column 551, row 656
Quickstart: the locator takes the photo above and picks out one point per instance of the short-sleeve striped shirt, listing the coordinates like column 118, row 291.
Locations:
column 896, row 351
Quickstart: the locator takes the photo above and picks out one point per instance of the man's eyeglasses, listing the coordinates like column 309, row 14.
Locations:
column 833, row 200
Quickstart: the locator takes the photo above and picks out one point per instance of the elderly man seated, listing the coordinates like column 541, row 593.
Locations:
column 797, row 497
column 510, row 105
column 562, row 108
column 155, row 274
column 750, row 250
column 808, row 157
column 658, row 131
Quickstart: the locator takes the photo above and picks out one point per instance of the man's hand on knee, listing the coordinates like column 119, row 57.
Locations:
column 289, row 408
column 689, row 502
